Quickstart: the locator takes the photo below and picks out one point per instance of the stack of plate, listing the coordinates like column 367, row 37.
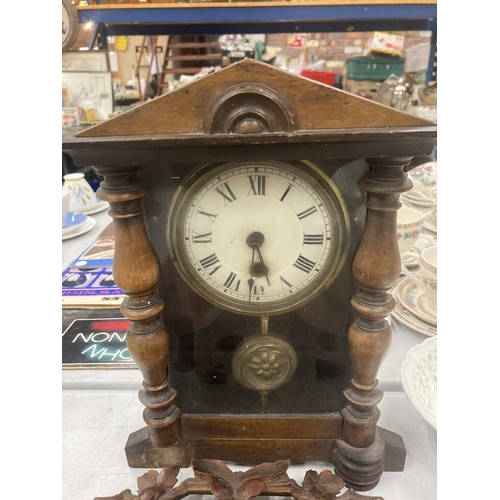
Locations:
column 76, row 224
column 412, row 308
column 423, row 195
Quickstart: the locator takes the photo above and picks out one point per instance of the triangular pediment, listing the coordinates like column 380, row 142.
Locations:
column 309, row 105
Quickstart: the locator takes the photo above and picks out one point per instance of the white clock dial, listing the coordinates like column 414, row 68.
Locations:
column 258, row 238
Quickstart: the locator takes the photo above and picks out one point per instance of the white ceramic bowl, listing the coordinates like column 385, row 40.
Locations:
column 419, row 379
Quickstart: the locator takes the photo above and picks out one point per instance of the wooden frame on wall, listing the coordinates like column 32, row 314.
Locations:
column 90, row 90
column 85, row 60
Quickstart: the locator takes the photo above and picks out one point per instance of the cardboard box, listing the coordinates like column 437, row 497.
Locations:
column 381, row 43
column 290, row 59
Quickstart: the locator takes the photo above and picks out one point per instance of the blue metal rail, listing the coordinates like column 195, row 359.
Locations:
column 218, row 19
column 200, row 20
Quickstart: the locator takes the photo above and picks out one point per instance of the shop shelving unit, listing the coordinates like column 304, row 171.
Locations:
column 308, row 16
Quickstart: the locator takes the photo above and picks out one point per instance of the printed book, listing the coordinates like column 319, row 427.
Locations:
column 96, row 343
column 100, row 253
column 90, row 288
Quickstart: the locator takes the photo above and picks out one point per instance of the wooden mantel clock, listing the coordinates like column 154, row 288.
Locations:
column 255, row 222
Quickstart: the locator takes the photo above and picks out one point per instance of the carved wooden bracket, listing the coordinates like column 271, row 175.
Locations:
column 214, row 477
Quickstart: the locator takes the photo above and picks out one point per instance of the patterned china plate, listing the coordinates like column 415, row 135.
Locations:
column 414, row 299
column 419, row 379
column 406, row 318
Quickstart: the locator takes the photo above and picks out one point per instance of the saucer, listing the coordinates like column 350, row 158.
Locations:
column 83, row 228
column 94, row 208
column 409, row 261
column 406, row 318
column 417, row 202
column 419, row 379
column 72, row 222
column 414, row 299
column 430, row 222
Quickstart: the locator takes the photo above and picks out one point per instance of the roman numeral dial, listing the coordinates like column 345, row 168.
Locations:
column 257, row 238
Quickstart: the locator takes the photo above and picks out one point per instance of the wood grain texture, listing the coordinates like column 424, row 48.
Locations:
column 308, row 120
column 253, row 451
column 315, row 106
column 137, row 272
column 277, row 426
column 359, row 457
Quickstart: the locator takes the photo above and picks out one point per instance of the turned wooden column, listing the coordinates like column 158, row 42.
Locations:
column 359, row 455
column 136, row 271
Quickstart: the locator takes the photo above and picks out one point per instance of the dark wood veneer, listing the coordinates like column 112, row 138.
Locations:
column 309, row 121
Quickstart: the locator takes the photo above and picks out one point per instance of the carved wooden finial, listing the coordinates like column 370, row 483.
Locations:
column 249, row 109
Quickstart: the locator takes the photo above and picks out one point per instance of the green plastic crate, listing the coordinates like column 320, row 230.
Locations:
column 374, row 68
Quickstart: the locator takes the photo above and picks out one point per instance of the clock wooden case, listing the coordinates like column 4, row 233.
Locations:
column 255, row 221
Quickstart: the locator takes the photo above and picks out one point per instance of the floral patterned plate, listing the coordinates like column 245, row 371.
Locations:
column 408, row 319
column 419, row 379
column 415, row 300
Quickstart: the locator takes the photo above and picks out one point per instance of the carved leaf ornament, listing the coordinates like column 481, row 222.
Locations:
column 214, row 477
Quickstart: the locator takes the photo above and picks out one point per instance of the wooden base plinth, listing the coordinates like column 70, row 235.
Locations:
column 142, row 454
column 361, row 468
column 395, row 451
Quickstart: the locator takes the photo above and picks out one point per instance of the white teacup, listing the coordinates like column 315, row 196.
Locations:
column 81, row 193
column 409, row 225
column 65, row 206
column 428, row 274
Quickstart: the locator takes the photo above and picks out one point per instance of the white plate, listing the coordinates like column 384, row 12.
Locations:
column 409, row 261
column 419, row 379
column 82, row 229
column 416, row 203
column 405, row 317
column 414, row 299
column 95, row 208
column 430, row 222
column 73, row 221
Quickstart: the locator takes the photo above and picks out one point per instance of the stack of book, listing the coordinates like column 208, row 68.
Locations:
column 94, row 330
column 88, row 281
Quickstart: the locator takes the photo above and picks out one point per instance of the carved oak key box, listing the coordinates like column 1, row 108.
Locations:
column 255, row 223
